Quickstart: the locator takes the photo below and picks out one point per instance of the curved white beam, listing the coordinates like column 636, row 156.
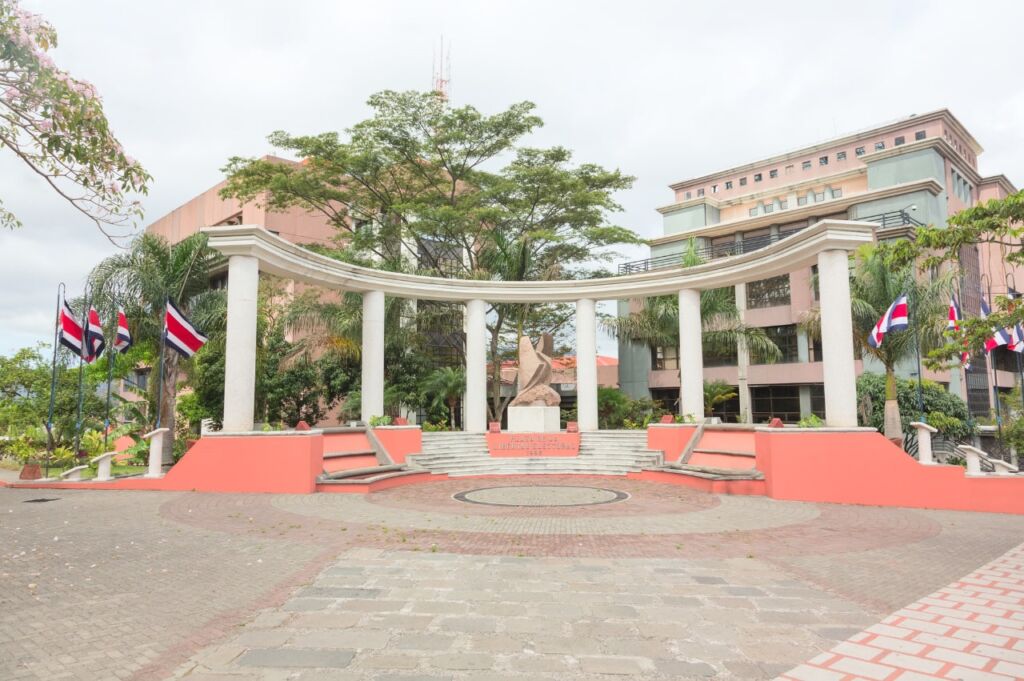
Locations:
column 285, row 259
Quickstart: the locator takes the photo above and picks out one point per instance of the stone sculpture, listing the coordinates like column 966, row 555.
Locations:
column 534, row 376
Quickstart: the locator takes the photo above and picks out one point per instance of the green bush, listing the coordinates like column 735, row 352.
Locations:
column 943, row 409
column 380, row 421
column 810, row 421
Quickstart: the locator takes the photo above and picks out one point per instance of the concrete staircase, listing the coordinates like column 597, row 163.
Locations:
column 720, row 453
column 601, row 453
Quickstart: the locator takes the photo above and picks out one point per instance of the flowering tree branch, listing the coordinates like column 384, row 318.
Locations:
column 55, row 124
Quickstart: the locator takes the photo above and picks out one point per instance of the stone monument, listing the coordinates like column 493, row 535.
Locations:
column 535, row 407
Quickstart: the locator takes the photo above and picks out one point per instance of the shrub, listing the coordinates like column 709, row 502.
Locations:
column 380, row 421
column 948, row 411
column 810, row 421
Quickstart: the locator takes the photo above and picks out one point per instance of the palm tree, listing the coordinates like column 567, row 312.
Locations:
column 715, row 393
column 444, row 387
column 657, row 323
column 142, row 279
column 875, row 283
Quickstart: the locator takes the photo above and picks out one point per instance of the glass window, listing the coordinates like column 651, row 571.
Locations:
column 789, row 169
column 722, row 246
column 841, row 156
column 819, row 196
column 775, row 401
column 664, row 358
column 805, row 165
column 823, row 160
column 723, row 355
column 898, row 141
column 836, row 193
column 714, row 189
column 768, row 292
column 773, row 173
column 700, row 192
column 743, row 182
column 920, row 135
column 728, row 184
column 879, row 146
column 785, row 338
column 859, row 151
column 752, row 212
column 768, row 208
column 801, row 200
column 689, row 195
column 783, row 204
column 757, row 177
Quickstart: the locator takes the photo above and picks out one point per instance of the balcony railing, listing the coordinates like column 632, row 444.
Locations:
column 896, row 218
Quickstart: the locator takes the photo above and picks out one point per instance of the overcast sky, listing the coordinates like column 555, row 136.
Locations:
column 662, row 90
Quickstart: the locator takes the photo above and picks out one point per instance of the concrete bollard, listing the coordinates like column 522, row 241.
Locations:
column 156, row 448
column 103, row 463
column 924, row 442
column 973, row 455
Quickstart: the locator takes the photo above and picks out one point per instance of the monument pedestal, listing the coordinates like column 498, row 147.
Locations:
column 533, row 420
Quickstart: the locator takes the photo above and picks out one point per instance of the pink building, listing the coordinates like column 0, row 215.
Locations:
column 915, row 171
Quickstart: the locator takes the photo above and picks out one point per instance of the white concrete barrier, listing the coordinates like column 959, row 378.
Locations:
column 103, row 464
column 924, row 442
column 156, row 450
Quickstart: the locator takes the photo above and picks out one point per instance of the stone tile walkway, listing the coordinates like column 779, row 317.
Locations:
column 972, row 629
column 412, row 583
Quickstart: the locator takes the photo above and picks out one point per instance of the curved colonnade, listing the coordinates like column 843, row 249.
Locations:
column 252, row 249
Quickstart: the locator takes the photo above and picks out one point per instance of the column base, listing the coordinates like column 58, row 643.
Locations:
column 534, row 420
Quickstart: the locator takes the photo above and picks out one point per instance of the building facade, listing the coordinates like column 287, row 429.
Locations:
column 915, row 171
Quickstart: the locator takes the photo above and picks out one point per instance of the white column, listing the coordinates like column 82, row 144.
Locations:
column 743, row 359
column 240, row 352
column 837, row 339
column 586, row 365
column 476, row 367
column 373, row 355
column 691, row 356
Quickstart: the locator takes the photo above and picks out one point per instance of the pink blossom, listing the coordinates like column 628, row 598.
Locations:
column 45, row 126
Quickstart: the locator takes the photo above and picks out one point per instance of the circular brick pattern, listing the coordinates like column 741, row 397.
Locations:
column 545, row 496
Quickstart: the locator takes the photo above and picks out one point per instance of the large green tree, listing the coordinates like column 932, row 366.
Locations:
column 25, row 394
column 997, row 224
column 142, row 279
column 427, row 187
column 55, row 124
column 877, row 278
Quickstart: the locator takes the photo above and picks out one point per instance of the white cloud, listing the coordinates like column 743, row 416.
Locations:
column 663, row 90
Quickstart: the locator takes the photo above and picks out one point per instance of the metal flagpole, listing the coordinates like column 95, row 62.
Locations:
column 917, row 350
column 81, row 373
column 61, row 288
column 991, row 359
column 110, row 378
column 160, row 379
column 1011, row 292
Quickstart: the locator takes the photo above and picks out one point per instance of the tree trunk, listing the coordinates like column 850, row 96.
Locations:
column 451, row 412
column 893, row 425
column 169, row 407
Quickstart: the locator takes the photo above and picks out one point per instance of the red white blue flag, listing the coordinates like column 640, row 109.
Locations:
column 95, row 341
column 123, row 341
column 180, row 334
column 999, row 336
column 896, row 318
column 1016, row 338
column 70, row 329
column 955, row 316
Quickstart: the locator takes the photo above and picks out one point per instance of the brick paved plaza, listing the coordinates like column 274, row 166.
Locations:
column 631, row 578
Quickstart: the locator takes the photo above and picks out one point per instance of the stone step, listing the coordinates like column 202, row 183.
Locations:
column 533, row 463
column 726, row 452
column 718, row 473
column 363, row 481
column 457, row 474
column 359, row 472
column 355, row 452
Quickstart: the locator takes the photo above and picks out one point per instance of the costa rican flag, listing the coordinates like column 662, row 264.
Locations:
column 896, row 318
column 955, row 315
column 70, row 329
column 1017, row 338
column 95, row 341
column 180, row 334
column 999, row 336
column 124, row 337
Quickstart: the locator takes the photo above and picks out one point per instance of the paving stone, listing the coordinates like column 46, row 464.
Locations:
column 350, row 639
column 611, row 665
column 462, row 661
column 684, row 669
column 422, row 642
column 295, row 657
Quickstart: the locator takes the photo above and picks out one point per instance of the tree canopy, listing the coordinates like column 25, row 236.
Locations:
column 55, row 124
column 424, row 186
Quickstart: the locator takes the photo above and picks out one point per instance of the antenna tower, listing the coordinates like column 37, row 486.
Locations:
column 442, row 72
